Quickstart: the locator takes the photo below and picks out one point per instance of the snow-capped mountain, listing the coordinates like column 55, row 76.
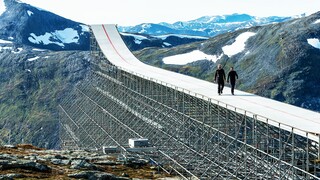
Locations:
column 205, row 26
column 21, row 23
column 140, row 41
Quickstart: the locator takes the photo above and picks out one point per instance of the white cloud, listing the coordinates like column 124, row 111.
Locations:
column 314, row 42
column 186, row 58
column 238, row 45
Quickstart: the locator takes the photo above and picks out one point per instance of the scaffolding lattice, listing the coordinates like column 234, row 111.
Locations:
column 195, row 136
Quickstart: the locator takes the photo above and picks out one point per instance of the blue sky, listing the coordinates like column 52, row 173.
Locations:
column 133, row 12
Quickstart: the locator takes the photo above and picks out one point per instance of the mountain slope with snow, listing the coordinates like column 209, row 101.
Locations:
column 278, row 61
column 27, row 25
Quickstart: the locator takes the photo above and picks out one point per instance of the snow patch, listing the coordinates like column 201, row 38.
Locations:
column 314, row 42
column 211, row 19
column 35, row 49
column 239, row 44
column 137, row 41
column 33, row 59
column 30, row 13
column 196, row 55
column 13, row 50
column 137, row 38
column 5, row 48
column 68, row 35
column 5, row 42
column 44, row 39
column 85, row 28
column 60, row 37
column 167, row 44
column 2, row 7
column 146, row 26
column 316, row 22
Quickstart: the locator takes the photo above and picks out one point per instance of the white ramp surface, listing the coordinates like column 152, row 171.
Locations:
column 305, row 122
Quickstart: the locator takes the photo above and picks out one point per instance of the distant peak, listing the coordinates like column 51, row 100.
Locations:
column 9, row 3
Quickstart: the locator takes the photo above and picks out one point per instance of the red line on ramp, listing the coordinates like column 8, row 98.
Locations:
column 114, row 48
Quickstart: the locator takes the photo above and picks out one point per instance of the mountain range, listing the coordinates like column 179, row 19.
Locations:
column 43, row 57
column 207, row 26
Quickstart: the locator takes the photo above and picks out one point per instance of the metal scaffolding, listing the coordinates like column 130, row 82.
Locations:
column 192, row 135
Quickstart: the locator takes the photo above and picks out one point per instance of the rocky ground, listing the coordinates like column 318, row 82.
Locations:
column 29, row 162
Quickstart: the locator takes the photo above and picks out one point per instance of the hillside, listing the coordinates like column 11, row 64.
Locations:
column 33, row 82
column 276, row 62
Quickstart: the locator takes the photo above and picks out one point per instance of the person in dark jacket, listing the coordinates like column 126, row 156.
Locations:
column 232, row 75
column 220, row 77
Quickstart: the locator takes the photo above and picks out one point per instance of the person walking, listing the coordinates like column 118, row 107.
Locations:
column 220, row 77
column 232, row 75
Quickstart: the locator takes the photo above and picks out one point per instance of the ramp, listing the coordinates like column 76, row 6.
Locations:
column 286, row 115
